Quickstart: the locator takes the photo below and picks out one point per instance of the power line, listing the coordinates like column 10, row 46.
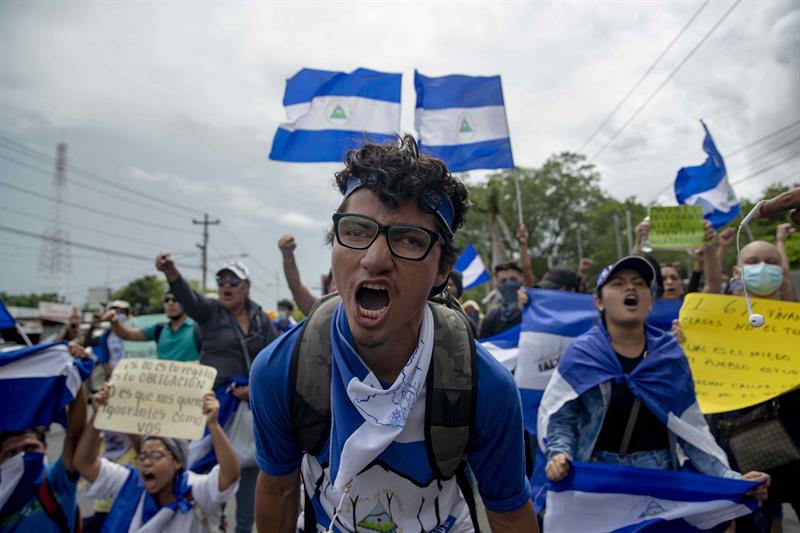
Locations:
column 790, row 157
column 645, row 75
column 95, row 189
column 78, row 226
column 116, row 216
column 667, row 79
column 75, row 244
column 762, row 139
column 89, row 174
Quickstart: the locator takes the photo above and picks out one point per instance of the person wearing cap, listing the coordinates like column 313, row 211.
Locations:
column 159, row 494
column 560, row 279
column 637, row 406
column 177, row 339
column 234, row 329
column 393, row 246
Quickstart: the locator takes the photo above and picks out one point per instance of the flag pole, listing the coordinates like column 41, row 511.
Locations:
column 513, row 166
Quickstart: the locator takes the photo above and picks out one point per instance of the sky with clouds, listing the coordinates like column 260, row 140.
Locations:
column 181, row 100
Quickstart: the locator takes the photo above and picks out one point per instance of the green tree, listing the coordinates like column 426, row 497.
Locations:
column 145, row 294
column 30, row 300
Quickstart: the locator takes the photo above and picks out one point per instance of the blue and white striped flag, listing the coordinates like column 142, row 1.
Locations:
column 707, row 185
column 504, row 346
column 39, row 382
column 6, row 320
column 611, row 498
column 331, row 112
column 202, row 456
column 550, row 322
column 471, row 266
column 462, row 121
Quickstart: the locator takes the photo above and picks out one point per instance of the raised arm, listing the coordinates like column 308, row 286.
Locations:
column 226, row 456
column 528, row 277
column 726, row 237
column 198, row 307
column 87, row 454
column 642, row 232
column 277, row 502
column 121, row 330
column 300, row 293
column 711, row 265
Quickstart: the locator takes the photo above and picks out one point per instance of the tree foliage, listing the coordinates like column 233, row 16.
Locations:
column 567, row 213
column 29, row 300
column 145, row 294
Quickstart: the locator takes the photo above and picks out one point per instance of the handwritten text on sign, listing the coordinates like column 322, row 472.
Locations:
column 677, row 227
column 733, row 364
column 153, row 397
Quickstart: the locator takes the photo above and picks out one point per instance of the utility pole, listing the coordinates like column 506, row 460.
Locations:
column 617, row 236
column 204, row 247
column 629, row 229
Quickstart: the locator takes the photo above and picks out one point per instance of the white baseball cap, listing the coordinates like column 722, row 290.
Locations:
column 238, row 269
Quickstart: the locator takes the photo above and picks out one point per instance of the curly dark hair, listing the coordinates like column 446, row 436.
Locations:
column 396, row 172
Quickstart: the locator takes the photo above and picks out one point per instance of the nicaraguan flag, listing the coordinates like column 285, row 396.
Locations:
column 550, row 323
column 39, row 382
column 471, row 266
column 462, row 120
column 6, row 320
column 504, row 347
column 707, row 185
column 330, row 112
column 602, row 498
column 202, row 457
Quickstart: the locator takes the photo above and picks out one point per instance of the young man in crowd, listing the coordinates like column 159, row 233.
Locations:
column 508, row 279
column 370, row 466
column 178, row 339
column 285, row 320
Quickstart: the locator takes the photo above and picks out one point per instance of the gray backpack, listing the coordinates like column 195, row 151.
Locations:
column 451, row 385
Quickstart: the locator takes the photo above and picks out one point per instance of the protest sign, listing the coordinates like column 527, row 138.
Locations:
column 152, row 397
column 733, row 364
column 56, row 312
column 676, row 228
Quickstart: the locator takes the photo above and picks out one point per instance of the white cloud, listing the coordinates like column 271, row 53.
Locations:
column 173, row 180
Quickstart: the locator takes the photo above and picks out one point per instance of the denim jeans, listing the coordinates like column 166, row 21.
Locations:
column 658, row 459
column 245, row 500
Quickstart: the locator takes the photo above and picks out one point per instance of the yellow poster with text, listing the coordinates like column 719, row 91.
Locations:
column 733, row 364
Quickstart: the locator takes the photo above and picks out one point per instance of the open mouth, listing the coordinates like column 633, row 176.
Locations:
column 630, row 301
column 373, row 299
column 227, row 294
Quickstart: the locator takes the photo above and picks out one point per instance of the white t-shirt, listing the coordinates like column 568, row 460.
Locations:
column 205, row 493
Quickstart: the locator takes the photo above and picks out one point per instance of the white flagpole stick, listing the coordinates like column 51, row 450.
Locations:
column 519, row 195
column 23, row 334
column 513, row 167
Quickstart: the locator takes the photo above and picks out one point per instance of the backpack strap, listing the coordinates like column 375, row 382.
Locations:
column 198, row 343
column 450, row 405
column 53, row 510
column 311, row 377
column 157, row 331
column 451, row 385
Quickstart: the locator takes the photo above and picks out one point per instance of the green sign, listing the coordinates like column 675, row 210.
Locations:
column 677, row 228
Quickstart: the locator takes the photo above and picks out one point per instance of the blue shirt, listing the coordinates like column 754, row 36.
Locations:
column 398, row 486
column 32, row 516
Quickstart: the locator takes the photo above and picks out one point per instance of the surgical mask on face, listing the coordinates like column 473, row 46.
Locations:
column 283, row 316
column 762, row 279
column 508, row 292
column 122, row 317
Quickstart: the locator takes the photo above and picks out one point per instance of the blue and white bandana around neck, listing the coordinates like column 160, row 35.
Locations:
column 366, row 418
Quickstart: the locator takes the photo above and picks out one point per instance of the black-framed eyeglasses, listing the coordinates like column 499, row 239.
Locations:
column 232, row 281
column 406, row 241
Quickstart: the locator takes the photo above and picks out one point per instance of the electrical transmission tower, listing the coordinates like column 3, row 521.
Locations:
column 54, row 260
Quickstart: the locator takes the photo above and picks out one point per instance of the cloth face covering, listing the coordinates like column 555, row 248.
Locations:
column 508, row 291
column 366, row 417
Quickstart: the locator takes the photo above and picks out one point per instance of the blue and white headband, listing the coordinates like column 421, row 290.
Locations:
column 439, row 204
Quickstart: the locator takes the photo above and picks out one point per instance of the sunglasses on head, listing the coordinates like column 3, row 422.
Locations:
column 232, row 281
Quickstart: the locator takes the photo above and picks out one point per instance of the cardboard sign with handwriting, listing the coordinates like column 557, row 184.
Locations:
column 733, row 364
column 680, row 227
column 153, row 397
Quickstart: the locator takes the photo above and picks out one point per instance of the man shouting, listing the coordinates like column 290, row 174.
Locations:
column 383, row 401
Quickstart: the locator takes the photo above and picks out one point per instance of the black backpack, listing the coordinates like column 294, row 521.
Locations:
column 451, row 391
